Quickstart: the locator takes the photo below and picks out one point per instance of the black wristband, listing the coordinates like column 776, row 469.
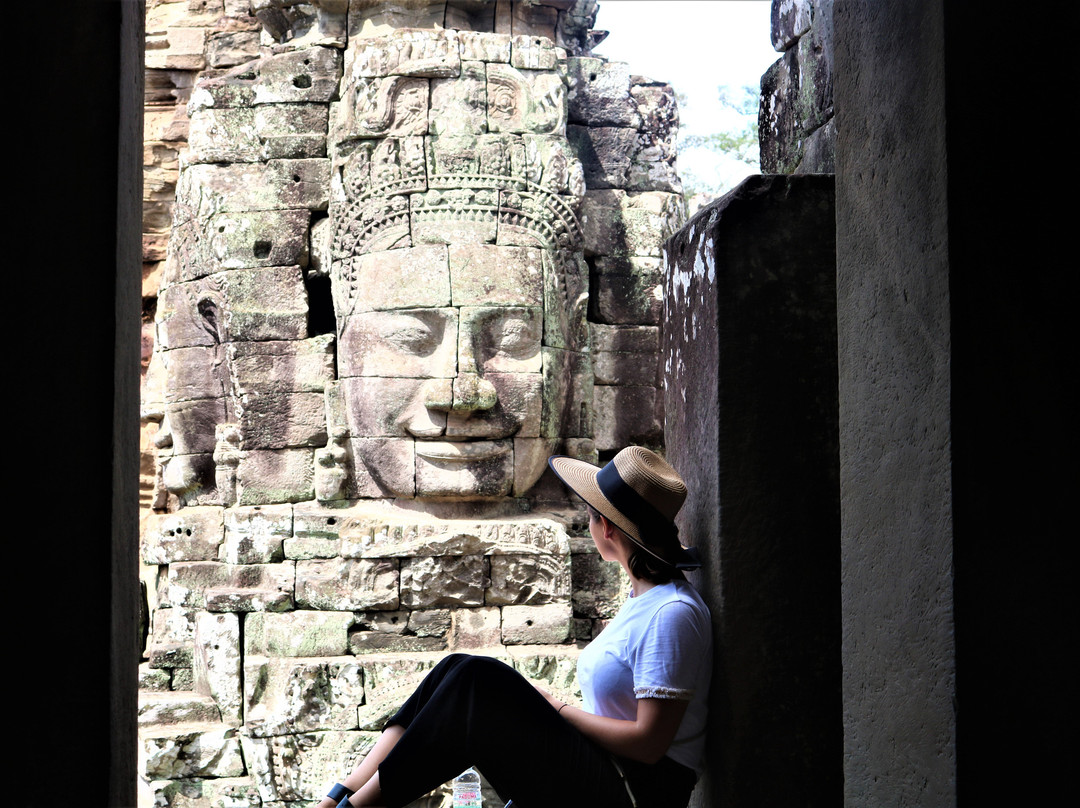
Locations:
column 338, row 792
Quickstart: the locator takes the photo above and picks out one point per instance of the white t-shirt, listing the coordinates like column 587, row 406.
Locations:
column 659, row 646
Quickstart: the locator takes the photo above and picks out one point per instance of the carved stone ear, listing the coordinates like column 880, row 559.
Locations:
column 210, row 318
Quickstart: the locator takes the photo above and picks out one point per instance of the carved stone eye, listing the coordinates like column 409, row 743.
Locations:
column 516, row 338
column 416, row 338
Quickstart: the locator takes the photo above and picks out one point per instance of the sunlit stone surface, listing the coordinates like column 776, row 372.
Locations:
column 402, row 253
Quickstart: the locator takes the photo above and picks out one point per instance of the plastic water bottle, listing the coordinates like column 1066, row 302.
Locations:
column 467, row 789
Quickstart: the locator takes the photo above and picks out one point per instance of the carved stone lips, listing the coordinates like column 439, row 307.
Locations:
column 461, row 451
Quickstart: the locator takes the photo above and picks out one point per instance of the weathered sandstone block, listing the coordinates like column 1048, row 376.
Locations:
column 293, row 695
column 484, row 47
column 280, row 366
column 528, row 580
column 417, row 343
column 378, row 642
column 475, row 628
column 624, row 338
column 298, row 634
column 312, row 520
column 310, row 547
column 533, row 52
column 430, row 623
column 553, row 667
column 568, row 414
column 275, row 475
column 529, row 101
column 628, row 290
column 173, row 624
column 191, row 750
column 274, row 185
column 606, row 153
column 153, row 680
column 486, row 275
column 536, row 625
column 459, row 106
column 177, row 49
column 193, row 373
column 234, row 792
column 307, row 76
column 345, row 584
column 430, row 54
column 192, row 424
column 238, row 305
column 281, row 420
column 598, row 587
column 453, row 581
column 373, row 536
column 231, row 48
column 789, row 21
column 250, row 239
column 566, row 301
column 600, row 93
column 367, row 534
column 389, row 680
column 170, row 655
column 627, row 415
column 410, row 278
column 287, row 768
column 626, row 368
column 192, row 534
column 167, row 707
column 217, row 663
column 254, row 534
column 616, row 223
column 229, row 587
column 382, row 467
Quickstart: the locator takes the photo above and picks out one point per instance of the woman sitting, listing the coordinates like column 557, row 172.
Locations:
column 639, row 738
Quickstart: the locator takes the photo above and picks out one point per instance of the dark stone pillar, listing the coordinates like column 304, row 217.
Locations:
column 894, row 360
column 749, row 349
column 73, row 384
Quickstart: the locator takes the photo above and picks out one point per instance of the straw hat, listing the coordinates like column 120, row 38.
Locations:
column 639, row 492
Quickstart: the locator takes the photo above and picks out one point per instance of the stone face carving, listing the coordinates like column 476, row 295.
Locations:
column 451, row 237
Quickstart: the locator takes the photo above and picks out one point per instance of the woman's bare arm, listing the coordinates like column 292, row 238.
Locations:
column 645, row 739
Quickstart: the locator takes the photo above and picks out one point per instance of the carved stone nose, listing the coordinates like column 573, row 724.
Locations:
column 473, row 392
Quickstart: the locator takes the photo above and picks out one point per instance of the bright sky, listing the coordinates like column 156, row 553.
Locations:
column 696, row 46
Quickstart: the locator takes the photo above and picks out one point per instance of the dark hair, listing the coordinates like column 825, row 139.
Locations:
column 648, row 567
column 642, row 563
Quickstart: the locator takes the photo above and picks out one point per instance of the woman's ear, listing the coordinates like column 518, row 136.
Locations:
column 610, row 531
column 615, row 535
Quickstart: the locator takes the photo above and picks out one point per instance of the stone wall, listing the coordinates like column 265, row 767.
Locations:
column 327, row 185
column 283, row 636
column 796, row 126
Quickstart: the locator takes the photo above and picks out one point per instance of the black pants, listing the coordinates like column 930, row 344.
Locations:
column 477, row 711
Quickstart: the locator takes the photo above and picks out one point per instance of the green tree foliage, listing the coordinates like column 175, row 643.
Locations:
column 737, row 142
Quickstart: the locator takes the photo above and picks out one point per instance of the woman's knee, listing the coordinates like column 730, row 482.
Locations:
column 483, row 673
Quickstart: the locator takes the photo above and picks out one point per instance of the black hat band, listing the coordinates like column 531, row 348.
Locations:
column 634, row 506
